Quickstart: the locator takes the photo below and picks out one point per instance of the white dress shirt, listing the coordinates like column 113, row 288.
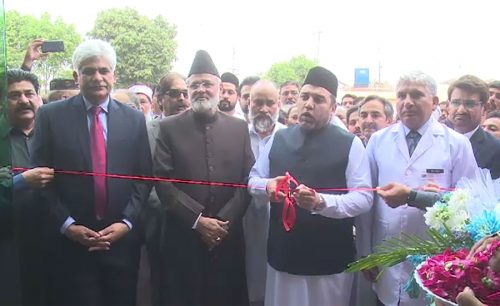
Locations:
column 286, row 289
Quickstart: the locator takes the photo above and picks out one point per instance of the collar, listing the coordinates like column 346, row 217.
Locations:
column 103, row 105
column 204, row 119
column 13, row 131
column 276, row 127
column 469, row 134
column 421, row 130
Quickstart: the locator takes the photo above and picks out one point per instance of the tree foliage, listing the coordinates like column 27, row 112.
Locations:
column 22, row 29
column 145, row 47
column 294, row 69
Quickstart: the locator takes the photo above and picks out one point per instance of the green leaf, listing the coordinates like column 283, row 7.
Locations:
column 145, row 48
column 396, row 250
column 293, row 70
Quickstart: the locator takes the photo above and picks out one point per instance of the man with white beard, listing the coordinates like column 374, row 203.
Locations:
column 264, row 111
column 202, row 246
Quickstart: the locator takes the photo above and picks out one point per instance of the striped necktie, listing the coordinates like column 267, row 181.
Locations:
column 412, row 140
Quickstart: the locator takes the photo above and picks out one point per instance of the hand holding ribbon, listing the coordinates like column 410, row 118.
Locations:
column 279, row 190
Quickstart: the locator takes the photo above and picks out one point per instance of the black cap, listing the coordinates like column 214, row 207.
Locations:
column 321, row 77
column 228, row 77
column 203, row 63
column 63, row 84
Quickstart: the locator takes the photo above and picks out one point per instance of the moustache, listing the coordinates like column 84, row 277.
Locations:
column 24, row 107
column 368, row 125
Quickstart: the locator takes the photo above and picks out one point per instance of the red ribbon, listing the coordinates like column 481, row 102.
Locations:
column 289, row 215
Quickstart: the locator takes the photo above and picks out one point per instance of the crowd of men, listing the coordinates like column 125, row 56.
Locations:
column 89, row 226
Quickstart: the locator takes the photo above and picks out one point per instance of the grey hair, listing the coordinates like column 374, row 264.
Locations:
column 420, row 78
column 94, row 48
column 388, row 108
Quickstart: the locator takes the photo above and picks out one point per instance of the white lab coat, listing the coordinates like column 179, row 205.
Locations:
column 439, row 148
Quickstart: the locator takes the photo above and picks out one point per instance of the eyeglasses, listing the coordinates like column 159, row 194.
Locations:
column 204, row 84
column 496, row 94
column 469, row 104
column 176, row 93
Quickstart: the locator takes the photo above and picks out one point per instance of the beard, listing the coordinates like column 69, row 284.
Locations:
column 205, row 107
column 263, row 123
column 226, row 106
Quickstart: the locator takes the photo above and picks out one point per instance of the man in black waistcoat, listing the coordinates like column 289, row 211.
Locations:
column 306, row 263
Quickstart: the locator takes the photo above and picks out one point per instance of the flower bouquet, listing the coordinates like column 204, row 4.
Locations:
column 443, row 264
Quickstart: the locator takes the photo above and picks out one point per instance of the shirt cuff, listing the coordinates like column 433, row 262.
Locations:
column 69, row 221
column 196, row 222
column 322, row 205
column 258, row 186
column 128, row 223
column 19, row 182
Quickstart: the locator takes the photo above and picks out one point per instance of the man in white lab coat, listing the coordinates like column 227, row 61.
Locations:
column 414, row 151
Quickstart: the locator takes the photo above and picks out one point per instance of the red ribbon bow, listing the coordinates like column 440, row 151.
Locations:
column 289, row 214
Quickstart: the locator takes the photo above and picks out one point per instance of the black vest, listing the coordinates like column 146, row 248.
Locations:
column 316, row 245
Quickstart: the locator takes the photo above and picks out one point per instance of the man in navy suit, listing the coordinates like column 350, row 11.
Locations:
column 94, row 248
column 467, row 98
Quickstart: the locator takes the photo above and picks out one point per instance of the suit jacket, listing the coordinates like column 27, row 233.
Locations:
column 486, row 149
column 439, row 148
column 151, row 213
column 62, row 142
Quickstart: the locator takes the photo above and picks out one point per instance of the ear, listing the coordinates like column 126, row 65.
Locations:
column 334, row 107
column 435, row 102
column 115, row 78
column 75, row 76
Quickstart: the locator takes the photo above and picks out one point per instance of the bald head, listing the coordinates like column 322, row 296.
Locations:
column 264, row 106
column 264, row 87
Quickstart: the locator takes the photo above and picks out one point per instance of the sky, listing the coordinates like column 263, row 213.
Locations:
column 443, row 38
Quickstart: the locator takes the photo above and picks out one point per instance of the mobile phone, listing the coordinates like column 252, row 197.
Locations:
column 53, row 46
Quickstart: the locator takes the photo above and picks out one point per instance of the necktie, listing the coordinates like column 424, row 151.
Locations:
column 98, row 152
column 412, row 140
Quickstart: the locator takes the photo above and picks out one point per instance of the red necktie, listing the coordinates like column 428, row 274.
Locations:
column 98, row 152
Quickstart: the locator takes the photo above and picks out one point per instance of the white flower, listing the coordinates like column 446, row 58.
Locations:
column 453, row 214
column 458, row 199
column 458, row 220
column 436, row 216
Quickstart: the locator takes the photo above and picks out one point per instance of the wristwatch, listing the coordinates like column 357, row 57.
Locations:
column 411, row 196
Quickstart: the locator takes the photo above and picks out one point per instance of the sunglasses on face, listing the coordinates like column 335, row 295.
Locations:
column 469, row 104
column 176, row 93
column 495, row 94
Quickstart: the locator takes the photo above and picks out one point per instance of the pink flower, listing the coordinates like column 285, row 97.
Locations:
column 448, row 273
